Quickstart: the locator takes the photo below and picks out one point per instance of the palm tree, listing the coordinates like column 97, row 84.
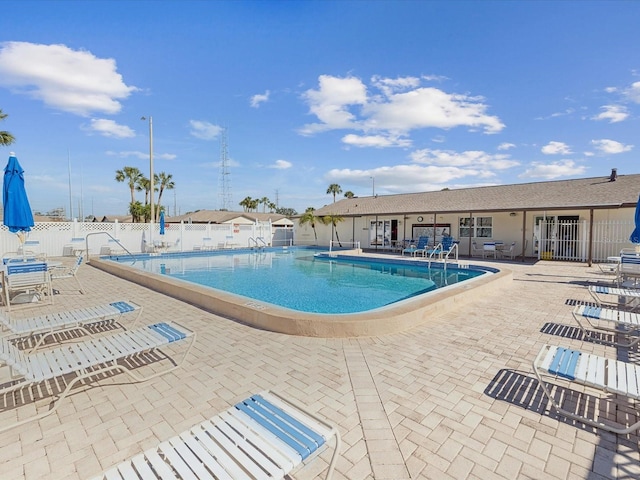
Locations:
column 309, row 217
column 5, row 137
column 131, row 175
column 265, row 202
column 349, row 194
column 334, row 189
column 165, row 181
column 246, row 203
column 143, row 185
column 333, row 220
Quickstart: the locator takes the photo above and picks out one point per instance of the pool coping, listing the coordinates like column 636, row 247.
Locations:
column 394, row 318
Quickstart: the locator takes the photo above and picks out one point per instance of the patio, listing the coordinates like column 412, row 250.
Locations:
column 455, row 398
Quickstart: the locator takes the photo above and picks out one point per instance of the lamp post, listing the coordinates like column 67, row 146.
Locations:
column 373, row 186
column 153, row 218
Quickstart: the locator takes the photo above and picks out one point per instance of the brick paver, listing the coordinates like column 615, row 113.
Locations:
column 454, row 398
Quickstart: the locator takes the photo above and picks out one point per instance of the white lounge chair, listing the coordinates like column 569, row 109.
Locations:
column 626, row 297
column 48, row 324
column 264, row 436
column 608, row 375
column 609, row 320
column 28, row 277
column 60, row 273
column 87, row 360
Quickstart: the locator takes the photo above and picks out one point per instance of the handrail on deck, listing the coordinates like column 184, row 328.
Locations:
column 86, row 239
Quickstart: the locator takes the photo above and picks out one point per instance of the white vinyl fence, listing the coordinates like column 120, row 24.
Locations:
column 65, row 238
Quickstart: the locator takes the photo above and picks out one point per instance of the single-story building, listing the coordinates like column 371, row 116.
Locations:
column 582, row 219
column 224, row 216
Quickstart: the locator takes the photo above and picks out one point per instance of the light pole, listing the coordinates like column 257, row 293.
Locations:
column 153, row 218
column 373, row 186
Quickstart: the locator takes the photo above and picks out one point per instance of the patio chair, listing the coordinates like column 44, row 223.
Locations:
column 412, row 248
column 608, row 375
column 60, row 273
column 264, row 436
column 476, row 251
column 609, row 320
column 421, row 248
column 88, row 360
column 46, row 325
column 509, row 252
column 30, row 278
column 626, row 297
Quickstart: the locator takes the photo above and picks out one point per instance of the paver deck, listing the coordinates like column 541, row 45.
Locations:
column 454, row 398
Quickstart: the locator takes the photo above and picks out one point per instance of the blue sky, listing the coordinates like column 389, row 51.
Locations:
column 400, row 96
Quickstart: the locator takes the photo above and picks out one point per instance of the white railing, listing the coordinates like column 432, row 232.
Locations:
column 570, row 240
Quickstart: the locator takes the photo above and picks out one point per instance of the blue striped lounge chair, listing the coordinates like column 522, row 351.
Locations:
column 89, row 361
column 625, row 297
column 609, row 320
column 46, row 325
column 264, row 436
column 607, row 375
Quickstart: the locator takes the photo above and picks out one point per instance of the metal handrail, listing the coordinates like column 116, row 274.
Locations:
column 86, row 239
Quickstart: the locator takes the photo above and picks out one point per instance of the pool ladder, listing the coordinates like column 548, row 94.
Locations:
column 257, row 243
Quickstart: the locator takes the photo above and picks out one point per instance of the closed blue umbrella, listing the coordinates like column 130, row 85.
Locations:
column 162, row 222
column 635, row 235
column 17, row 212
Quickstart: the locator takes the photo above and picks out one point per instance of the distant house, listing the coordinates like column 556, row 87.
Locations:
column 560, row 213
column 222, row 216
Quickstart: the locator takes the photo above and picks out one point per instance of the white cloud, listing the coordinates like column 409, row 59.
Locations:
column 550, row 171
column 109, row 128
column 204, row 130
column 506, row 146
column 633, row 92
column 610, row 146
column 378, row 141
column 164, row 156
column 141, row 155
column 281, row 165
column 400, row 107
column 73, row 81
column 470, row 158
column 329, row 103
column 257, row 99
column 556, row 148
column 403, row 178
column 388, row 86
column 613, row 113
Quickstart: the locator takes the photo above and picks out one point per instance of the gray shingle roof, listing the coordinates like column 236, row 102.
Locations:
column 598, row 192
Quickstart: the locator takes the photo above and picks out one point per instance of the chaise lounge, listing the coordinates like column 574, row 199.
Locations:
column 607, row 375
column 264, row 436
column 87, row 360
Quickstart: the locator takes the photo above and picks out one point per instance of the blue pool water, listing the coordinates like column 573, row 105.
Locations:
column 299, row 280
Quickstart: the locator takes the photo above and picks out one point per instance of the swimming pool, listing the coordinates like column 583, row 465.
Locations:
column 297, row 279
column 393, row 317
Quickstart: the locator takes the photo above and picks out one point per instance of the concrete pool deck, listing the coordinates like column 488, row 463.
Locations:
column 452, row 398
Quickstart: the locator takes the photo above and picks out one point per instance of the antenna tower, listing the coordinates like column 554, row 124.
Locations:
column 225, row 188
